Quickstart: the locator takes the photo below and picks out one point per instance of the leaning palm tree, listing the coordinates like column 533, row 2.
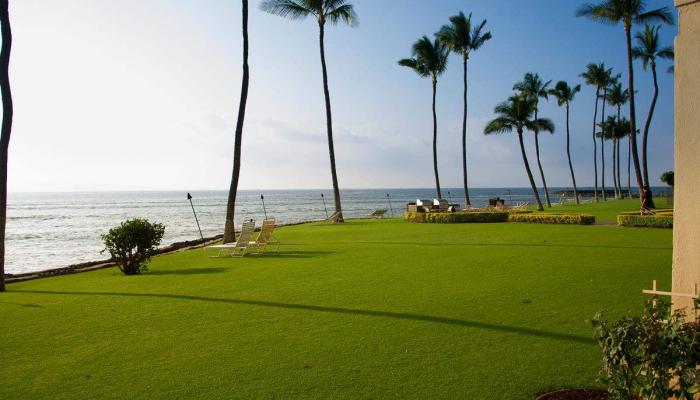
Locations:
column 617, row 97
column 463, row 38
column 324, row 11
column 516, row 114
column 628, row 12
column 229, row 226
column 565, row 95
column 533, row 87
column 6, row 127
column 648, row 50
column 595, row 76
column 430, row 60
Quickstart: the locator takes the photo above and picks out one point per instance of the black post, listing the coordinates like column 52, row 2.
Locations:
column 189, row 197
column 324, row 205
column 390, row 208
column 510, row 197
column 449, row 196
column 262, row 198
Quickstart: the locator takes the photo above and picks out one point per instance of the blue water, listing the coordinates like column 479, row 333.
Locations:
column 48, row 230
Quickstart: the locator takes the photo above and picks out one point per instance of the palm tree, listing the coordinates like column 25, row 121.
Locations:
column 609, row 131
column 517, row 114
column 648, row 51
column 628, row 12
column 565, row 95
column 325, row 11
column 594, row 76
column 617, row 97
column 229, row 226
column 6, row 127
column 607, row 81
column 533, row 87
column 430, row 60
column 463, row 39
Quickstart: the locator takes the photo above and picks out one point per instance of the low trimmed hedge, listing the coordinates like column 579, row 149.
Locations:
column 646, row 221
column 543, row 218
column 457, row 217
column 511, row 211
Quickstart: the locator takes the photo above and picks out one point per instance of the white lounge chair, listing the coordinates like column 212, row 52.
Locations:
column 265, row 238
column 375, row 214
column 239, row 247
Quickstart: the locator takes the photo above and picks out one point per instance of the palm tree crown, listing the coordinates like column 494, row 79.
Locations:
column 628, row 12
column 332, row 11
column 648, row 49
column 429, row 58
column 517, row 114
column 533, row 87
column 597, row 75
column 461, row 37
column 616, row 96
column 564, row 93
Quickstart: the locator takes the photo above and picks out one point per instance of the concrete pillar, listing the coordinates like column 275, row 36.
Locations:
column 686, row 230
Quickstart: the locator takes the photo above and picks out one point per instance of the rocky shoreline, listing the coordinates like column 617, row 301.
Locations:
column 109, row 263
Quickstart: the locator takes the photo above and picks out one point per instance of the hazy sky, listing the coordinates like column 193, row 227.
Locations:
column 143, row 95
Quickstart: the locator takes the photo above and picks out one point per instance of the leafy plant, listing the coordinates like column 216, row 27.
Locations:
column 667, row 178
column 457, row 217
column 660, row 220
column 562, row 219
column 133, row 243
column 652, row 357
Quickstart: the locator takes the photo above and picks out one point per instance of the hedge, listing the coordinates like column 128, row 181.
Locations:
column 645, row 221
column 457, row 217
column 542, row 218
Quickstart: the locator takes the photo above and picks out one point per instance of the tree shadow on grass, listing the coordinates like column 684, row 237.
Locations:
column 348, row 311
column 543, row 245
column 28, row 305
column 187, row 271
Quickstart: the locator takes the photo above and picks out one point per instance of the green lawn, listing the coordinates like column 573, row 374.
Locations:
column 365, row 309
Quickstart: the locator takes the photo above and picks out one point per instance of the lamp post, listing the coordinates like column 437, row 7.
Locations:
column 324, row 205
column 390, row 208
column 189, row 197
column 262, row 198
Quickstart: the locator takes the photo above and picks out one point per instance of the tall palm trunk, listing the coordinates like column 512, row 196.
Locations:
column 435, row 161
column 529, row 172
column 629, row 167
column 329, row 124
column 539, row 165
column 645, row 137
column 595, row 146
column 464, row 136
column 6, row 129
column 602, row 148
column 229, row 226
column 568, row 155
column 619, row 181
column 633, row 115
column 614, row 163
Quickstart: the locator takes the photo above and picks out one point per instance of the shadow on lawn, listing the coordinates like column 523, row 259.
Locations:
column 339, row 310
column 188, row 271
column 543, row 244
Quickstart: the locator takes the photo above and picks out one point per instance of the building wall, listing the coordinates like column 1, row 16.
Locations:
column 686, row 231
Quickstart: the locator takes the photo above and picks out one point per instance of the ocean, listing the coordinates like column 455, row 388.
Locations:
column 49, row 230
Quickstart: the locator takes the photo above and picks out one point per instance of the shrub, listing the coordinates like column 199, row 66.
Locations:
column 542, row 218
column 650, row 357
column 132, row 243
column 661, row 220
column 457, row 217
column 512, row 211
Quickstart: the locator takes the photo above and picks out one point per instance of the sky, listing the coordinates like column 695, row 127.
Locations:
column 143, row 95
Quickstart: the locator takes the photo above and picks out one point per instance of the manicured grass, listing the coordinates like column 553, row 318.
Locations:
column 605, row 210
column 365, row 309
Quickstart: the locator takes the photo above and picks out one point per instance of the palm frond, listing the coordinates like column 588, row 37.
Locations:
column 663, row 15
column 292, row 9
column 599, row 12
column 341, row 13
column 541, row 125
column 499, row 125
column 666, row 53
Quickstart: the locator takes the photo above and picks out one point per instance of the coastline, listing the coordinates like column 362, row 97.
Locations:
column 109, row 263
